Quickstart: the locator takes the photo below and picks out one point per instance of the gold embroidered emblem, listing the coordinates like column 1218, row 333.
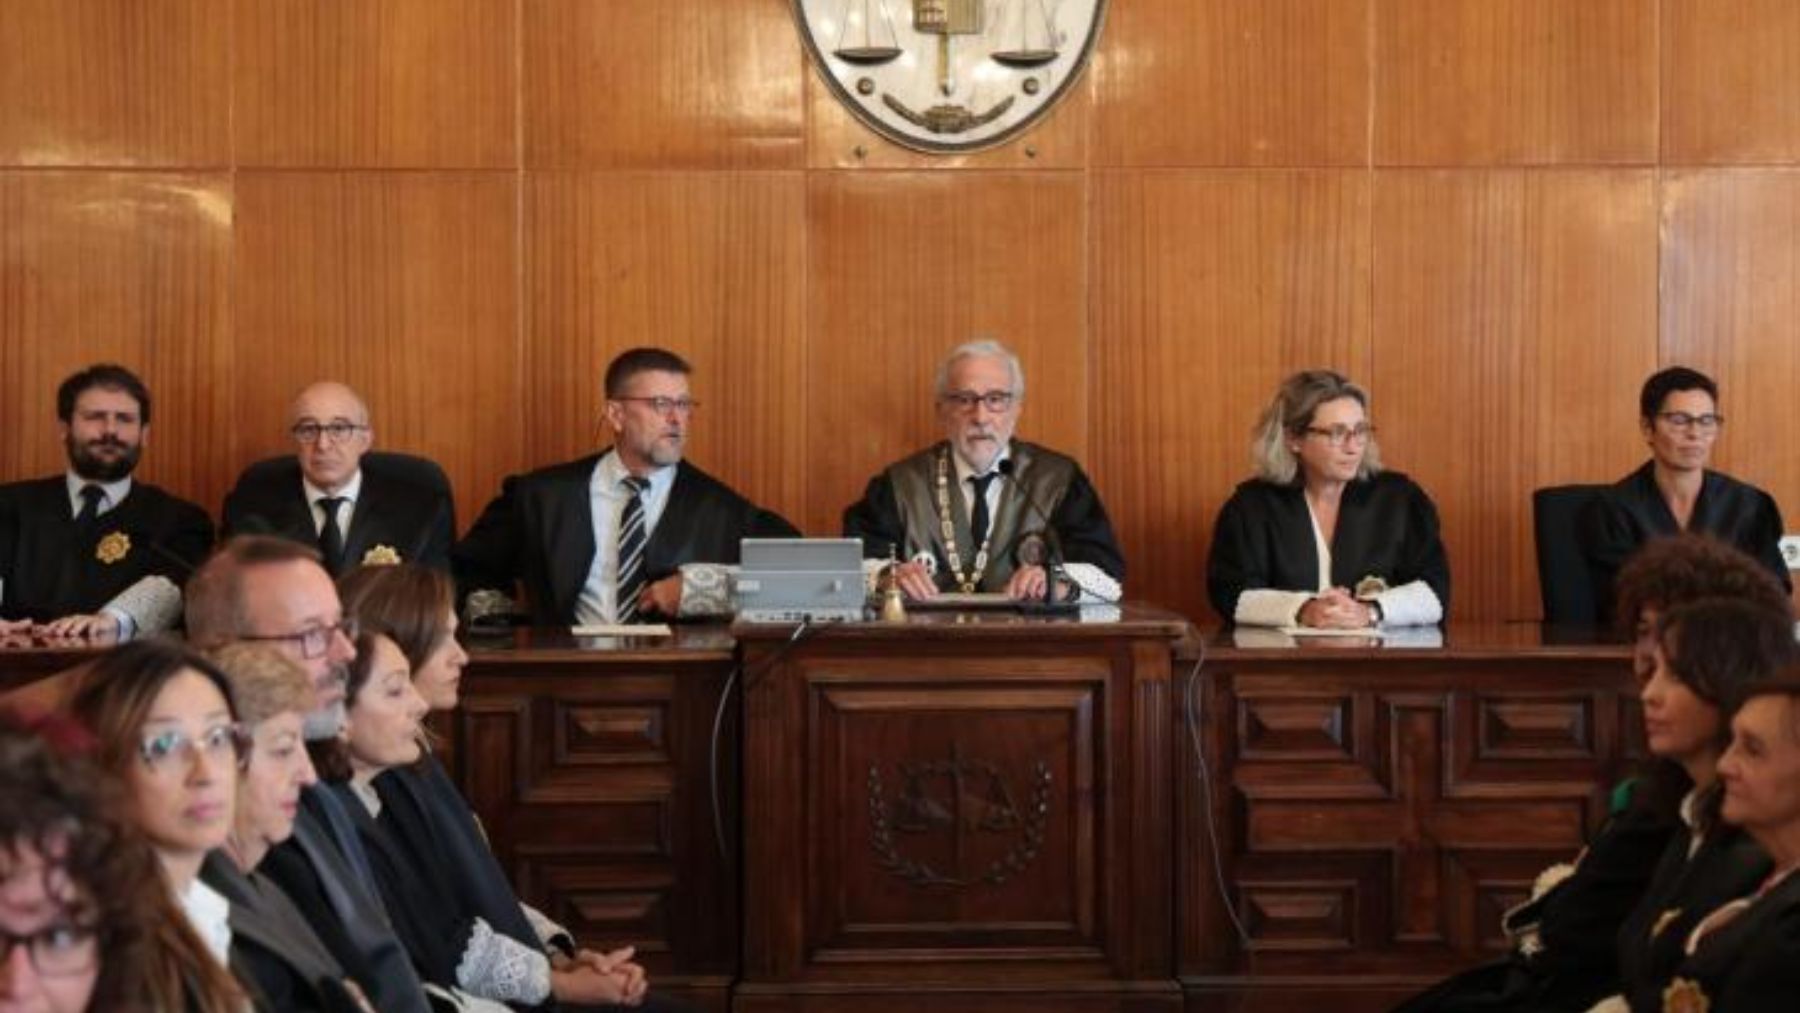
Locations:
column 1663, row 920
column 113, row 547
column 1684, row 996
column 381, row 555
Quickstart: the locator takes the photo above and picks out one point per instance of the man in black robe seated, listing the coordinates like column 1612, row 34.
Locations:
column 631, row 532
column 91, row 552
column 1678, row 412
column 971, row 512
column 325, row 497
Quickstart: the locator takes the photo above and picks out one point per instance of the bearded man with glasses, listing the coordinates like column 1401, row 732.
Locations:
column 352, row 506
column 979, row 511
column 1674, row 491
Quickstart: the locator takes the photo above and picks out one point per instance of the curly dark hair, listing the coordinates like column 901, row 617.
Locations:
column 56, row 803
column 1675, row 569
column 1720, row 647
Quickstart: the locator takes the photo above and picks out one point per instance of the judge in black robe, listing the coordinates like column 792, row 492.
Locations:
column 1632, row 511
column 53, row 566
column 1749, row 963
column 403, row 511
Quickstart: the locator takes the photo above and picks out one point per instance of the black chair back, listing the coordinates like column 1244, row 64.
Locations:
column 1565, row 584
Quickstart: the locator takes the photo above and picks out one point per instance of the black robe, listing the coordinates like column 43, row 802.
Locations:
column 1573, row 961
column 1386, row 527
column 1631, row 511
column 53, row 569
column 417, row 521
column 1727, row 865
column 274, row 950
column 540, row 532
column 1750, row 964
column 1067, row 498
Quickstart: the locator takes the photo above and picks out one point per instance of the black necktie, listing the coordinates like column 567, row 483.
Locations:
column 91, row 495
column 331, row 537
column 631, row 549
column 978, row 518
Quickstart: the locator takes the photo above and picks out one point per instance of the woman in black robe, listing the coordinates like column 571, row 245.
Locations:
column 1322, row 536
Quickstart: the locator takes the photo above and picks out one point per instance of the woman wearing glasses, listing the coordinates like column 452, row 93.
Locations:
column 1678, row 413
column 167, row 730
column 1322, row 536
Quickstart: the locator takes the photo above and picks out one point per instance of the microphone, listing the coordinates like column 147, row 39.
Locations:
column 1041, row 547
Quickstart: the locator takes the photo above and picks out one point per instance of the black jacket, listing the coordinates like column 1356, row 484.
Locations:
column 415, row 519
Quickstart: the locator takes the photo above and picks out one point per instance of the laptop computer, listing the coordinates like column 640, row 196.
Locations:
column 790, row 580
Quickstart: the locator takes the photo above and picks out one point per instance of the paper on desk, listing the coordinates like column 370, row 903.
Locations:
column 1320, row 631
column 622, row 630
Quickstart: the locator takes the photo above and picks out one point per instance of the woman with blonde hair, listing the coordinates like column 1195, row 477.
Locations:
column 1322, row 536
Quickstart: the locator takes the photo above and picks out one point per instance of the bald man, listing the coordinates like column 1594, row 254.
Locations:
column 324, row 497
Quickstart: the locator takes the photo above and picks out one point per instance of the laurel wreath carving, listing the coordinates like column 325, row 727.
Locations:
column 1015, row 861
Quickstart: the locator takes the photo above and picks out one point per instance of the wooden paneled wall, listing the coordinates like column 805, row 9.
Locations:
column 1499, row 214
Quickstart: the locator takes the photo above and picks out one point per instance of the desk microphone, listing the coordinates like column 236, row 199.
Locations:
column 1041, row 547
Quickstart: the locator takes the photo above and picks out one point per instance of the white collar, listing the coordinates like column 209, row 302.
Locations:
column 351, row 490
column 210, row 914
column 115, row 491
column 610, row 472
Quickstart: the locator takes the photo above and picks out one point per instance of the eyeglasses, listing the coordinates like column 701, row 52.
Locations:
column 1337, row 436
column 1708, row 423
column 313, row 642
column 169, row 751
column 309, row 432
column 55, row 951
column 664, row 405
column 967, row 400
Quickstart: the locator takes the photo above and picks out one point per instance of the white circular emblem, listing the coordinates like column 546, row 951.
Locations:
column 950, row 75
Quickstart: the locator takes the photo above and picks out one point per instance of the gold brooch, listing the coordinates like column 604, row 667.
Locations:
column 381, row 555
column 1684, row 996
column 113, row 547
column 1663, row 920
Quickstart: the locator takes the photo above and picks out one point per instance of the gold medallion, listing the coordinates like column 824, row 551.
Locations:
column 113, row 547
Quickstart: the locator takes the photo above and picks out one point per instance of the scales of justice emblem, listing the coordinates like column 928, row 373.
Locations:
column 990, row 829
column 950, row 76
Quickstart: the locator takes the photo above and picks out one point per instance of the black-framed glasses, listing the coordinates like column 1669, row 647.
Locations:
column 312, row 642
column 309, row 432
column 1707, row 423
column 665, row 405
column 174, row 749
column 993, row 400
column 56, row 951
column 1339, row 435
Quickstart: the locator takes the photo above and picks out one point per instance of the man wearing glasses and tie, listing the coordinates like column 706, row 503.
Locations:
column 1674, row 491
column 93, row 553
column 629, row 533
column 328, row 496
column 980, row 511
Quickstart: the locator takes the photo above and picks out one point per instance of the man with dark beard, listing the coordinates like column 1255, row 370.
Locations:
column 92, row 553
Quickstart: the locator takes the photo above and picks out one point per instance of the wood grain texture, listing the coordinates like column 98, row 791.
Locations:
column 401, row 285
column 1515, row 82
column 709, row 265
column 1209, row 288
column 1250, row 83
column 1515, row 315
column 902, row 267
column 127, row 268
column 1731, row 294
column 115, row 83
column 697, row 84
column 1731, row 81
column 376, row 83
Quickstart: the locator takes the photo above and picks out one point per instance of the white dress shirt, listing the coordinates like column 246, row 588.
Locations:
column 598, row 601
column 345, row 510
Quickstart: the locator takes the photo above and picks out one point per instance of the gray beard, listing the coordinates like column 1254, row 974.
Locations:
column 323, row 725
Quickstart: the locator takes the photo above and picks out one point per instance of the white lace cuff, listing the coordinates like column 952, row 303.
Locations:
column 499, row 967
column 1264, row 606
column 153, row 604
column 1092, row 583
column 1414, row 604
column 706, row 589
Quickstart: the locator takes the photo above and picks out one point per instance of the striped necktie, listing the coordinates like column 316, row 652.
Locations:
column 631, row 549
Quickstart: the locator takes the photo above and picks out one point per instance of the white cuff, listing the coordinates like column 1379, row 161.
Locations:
column 1265, row 606
column 1414, row 604
column 127, row 626
column 706, row 589
column 500, row 967
column 152, row 605
column 1092, row 584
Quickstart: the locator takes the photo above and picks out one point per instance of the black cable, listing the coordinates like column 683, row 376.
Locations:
column 1194, row 708
column 718, row 728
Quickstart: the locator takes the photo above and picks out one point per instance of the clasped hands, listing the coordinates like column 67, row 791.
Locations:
column 593, row 978
column 1337, row 609
column 1026, row 584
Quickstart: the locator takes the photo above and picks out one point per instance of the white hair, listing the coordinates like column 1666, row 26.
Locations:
column 981, row 348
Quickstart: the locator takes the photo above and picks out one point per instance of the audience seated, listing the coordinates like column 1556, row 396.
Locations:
column 274, row 952
column 82, row 907
column 165, row 725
